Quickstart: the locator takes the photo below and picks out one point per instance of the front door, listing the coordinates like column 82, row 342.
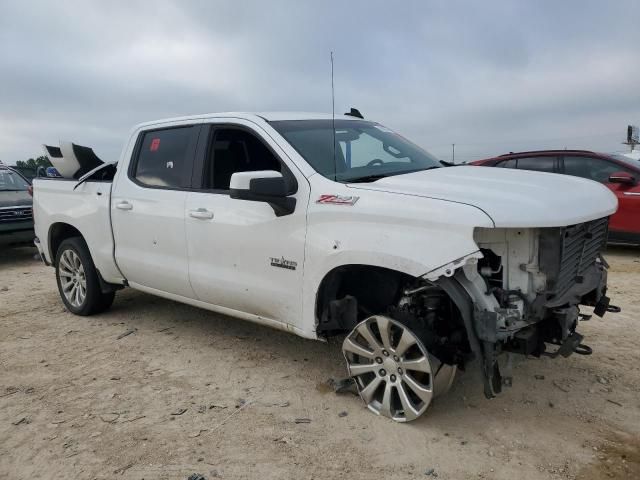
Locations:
column 147, row 209
column 241, row 255
column 627, row 218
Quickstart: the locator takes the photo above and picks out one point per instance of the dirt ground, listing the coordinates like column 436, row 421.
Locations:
column 189, row 391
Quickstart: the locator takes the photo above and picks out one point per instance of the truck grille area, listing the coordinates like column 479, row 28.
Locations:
column 566, row 253
column 15, row 214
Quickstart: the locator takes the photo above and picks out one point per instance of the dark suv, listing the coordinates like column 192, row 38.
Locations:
column 618, row 172
column 16, row 217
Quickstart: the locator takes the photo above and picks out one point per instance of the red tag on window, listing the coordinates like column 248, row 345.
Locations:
column 155, row 144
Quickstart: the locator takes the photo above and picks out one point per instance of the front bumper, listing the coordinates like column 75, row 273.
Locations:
column 16, row 237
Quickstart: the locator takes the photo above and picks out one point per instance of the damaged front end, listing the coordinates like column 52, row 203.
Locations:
column 527, row 290
column 520, row 293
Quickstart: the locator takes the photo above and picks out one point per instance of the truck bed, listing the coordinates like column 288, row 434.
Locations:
column 57, row 205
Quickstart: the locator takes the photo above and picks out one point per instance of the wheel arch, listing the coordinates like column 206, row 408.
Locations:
column 373, row 286
column 58, row 233
column 329, row 289
column 61, row 231
column 318, row 274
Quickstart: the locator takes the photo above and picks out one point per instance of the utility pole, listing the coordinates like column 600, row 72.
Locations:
column 453, row 153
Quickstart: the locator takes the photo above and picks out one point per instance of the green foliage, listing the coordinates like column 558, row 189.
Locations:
column 34, row 163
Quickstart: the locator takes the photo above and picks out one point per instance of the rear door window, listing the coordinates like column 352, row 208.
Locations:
column 165, row 157
column 538, row 164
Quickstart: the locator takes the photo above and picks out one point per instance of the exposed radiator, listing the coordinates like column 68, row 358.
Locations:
column 568, row 252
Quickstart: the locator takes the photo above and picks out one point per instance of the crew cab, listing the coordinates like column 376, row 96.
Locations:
column 620, row 173
column 16, row 221
column 323, row 226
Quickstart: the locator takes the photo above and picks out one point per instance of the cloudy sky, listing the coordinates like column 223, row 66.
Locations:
column 489, row 76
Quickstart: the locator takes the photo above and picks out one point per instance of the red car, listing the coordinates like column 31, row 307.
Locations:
column 619, row 173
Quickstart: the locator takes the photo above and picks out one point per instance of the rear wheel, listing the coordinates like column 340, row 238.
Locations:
column 395, row 374
column 78, row 281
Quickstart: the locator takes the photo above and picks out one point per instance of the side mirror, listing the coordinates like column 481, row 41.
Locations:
column 266, row 186
column 622, row 178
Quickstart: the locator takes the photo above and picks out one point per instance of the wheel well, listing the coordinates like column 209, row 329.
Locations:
column 439, row 313
column 350, row 293
column 58, row 233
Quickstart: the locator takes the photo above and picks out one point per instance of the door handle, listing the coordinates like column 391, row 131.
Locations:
column 124, row 205
column 201, row 213
column 632, row 194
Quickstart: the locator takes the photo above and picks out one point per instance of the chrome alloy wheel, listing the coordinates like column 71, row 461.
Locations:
column 72, row 278
column 392, row 369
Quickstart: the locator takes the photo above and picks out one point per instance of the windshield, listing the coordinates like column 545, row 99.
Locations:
column 10, row 181
column 627, row 160
column 365, row 151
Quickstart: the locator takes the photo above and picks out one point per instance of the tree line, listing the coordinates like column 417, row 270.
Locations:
column 34, row 163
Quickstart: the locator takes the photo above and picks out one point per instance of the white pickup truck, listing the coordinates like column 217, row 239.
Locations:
column 328, row 226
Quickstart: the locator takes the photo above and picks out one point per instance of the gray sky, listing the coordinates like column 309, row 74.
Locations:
column 490, row 76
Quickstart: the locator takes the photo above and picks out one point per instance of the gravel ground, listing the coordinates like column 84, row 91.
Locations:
column 190, row 391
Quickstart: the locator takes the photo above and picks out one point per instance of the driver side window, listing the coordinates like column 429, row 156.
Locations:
column 234, row 150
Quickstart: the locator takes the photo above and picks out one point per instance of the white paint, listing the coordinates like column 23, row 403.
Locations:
column 229, row 255
column 55, row 201
column 512, row 198
column 212, row 251
column 68, row 164
column 242, row 180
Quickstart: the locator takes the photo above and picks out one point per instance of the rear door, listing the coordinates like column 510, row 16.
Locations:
column 147, row 208
column 241, row 255
column 627, row 218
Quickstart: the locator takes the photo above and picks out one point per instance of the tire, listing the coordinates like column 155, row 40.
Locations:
column 77, row 278
column 105, row 304
column 395, row 374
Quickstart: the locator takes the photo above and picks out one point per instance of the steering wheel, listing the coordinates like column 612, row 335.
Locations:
column 375, row 161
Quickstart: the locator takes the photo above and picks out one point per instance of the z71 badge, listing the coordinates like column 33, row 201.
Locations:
column 283, row 263
column 338, row 199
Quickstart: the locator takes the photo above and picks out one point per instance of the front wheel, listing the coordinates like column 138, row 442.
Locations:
column 395, row 374
column 78, row 281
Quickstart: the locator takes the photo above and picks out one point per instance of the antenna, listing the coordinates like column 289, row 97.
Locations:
column 333, row 122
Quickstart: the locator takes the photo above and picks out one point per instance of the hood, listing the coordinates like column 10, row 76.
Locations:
column 512, row 198
column 15, row 199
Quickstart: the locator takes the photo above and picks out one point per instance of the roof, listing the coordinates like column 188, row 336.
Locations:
column 616, row 158
column 548, row 152
column 275, row 116
column 268, row 116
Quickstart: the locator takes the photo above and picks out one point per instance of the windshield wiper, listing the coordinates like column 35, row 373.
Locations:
column 377, row 176
column 366, row 178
